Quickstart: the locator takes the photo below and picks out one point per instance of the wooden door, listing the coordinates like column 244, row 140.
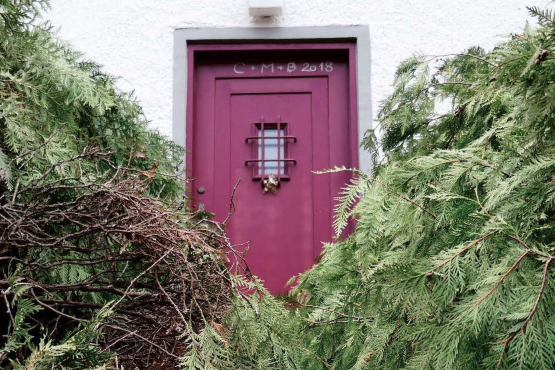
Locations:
column 269, row 120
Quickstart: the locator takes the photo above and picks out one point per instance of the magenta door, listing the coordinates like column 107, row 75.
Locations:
column 269, row 119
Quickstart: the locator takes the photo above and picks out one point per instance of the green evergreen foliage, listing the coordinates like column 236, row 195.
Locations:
column 96, row 246
column 54, row 100
column 450, row 266
column 257, row 333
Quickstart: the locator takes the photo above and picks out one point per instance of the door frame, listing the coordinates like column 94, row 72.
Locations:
column 355, row 39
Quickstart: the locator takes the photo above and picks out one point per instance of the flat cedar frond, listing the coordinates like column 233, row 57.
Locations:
column 545, row 17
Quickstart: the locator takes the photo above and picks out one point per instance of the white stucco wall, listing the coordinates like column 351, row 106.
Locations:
column 134, row 38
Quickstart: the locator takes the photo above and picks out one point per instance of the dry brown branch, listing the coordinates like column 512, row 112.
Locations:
column 162, row 267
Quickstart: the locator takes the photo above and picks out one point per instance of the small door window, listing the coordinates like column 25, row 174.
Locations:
column 271, row 157
column 272, row 150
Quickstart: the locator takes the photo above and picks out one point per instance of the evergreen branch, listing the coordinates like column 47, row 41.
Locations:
column 500, row 281
column 462, row 251
column 539, row 295
column 328, row 366
column 329, row 322
column 465, row 55
column 545, row 17
column 523, row 37
column 487, row 165
column 434, row 166
column 451, row 83
column 463, row 160
column 520, row 57
column 521, row 242
column 36, row 148
column 402, row 196
column 351, row 317
column 486, row 212
column 533, row 310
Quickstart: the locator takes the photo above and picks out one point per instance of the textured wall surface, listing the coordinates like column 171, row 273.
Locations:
column 134, row 38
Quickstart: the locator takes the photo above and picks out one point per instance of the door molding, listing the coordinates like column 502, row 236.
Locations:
column 183, row 38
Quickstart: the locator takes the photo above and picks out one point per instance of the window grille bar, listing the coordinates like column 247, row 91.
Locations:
column 263, row 172
column 279, row 147
column 294, row 138
column 285, row 160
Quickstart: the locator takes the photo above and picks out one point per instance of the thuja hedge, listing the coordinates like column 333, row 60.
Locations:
column 451, row 263
column 101, row 263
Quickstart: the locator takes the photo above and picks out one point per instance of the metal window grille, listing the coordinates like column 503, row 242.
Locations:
column 263, row 166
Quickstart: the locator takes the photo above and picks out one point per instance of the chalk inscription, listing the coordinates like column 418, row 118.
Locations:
column 269, row 68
